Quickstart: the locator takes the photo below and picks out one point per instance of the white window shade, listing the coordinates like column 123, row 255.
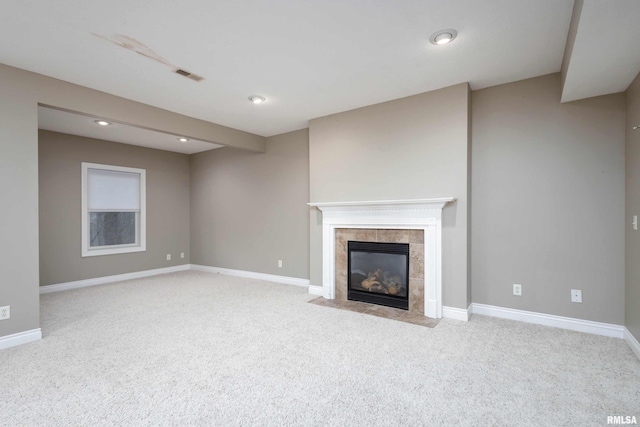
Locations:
column 113, row 191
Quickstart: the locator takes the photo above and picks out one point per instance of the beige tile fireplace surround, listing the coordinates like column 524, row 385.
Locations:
column 416, row 221
column 415, row 239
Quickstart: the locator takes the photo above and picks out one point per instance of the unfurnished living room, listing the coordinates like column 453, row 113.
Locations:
column 306, row 212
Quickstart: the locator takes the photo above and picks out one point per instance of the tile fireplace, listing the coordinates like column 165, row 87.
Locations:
column 416, row 222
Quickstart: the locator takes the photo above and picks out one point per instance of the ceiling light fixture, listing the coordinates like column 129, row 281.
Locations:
column 256, row 99
column 102, row 123
column 183, row 139
column 443, row 36
column 636, row 127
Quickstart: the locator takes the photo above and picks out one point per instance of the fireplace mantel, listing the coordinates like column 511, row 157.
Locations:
column 433, row 203
column 423, row 214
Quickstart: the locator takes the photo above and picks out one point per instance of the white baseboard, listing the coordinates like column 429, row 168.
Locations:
column 632, row 342
column 20, row 338
column 316, row 290
column 139, row 274
column 456, row 313
column 588, row 326
column 110, row 279
column 251, row 275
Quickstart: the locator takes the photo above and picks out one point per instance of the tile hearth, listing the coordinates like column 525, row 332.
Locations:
column 377, row 310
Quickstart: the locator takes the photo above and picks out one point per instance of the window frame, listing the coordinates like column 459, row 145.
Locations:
column 141, row 220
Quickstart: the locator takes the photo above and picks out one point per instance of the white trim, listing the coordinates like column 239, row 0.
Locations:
column 420, row 214
column 316, row 290
column 580, row 325
column 632, row 342
column 141, row 245
column 252, row 275
column 20, row 338
column 433, row 202
column 110, row 279
column 456, row 313
column 139, row 274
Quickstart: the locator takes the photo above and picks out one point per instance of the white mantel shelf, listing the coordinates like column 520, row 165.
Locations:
column 425, row 214
column 426, row 203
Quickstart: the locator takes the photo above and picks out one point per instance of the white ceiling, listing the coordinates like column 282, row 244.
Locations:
column 606, row 54
column 309, row 58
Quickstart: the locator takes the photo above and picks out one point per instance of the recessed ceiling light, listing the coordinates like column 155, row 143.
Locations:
column 183, row 139
column 443, row 36
column 102, row 123
column 256, row 99
column 636, row 127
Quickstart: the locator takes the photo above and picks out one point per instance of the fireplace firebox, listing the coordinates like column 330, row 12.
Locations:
column 378, row 273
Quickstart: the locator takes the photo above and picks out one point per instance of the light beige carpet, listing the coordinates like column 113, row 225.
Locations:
column 195, row 348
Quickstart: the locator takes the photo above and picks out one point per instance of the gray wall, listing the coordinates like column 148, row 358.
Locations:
column 547, row 188
column 19, row 213
column 632, row 238
column 548, row 200
column 411, row 148
column 60, row 158
column 22, row 91
column 249, row 210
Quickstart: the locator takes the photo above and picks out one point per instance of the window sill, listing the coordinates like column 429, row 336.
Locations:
column 112, row 251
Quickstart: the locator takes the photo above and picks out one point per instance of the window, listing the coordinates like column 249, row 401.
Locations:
column 113, row 209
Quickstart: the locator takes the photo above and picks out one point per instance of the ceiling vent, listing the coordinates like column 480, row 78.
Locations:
column 189, row 75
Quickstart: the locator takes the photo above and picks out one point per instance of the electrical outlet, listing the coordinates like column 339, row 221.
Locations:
column 517, row 290
column 576, row 295
column 279, row 263
column 5, row 312
column 181, row 254
column 168, row 257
